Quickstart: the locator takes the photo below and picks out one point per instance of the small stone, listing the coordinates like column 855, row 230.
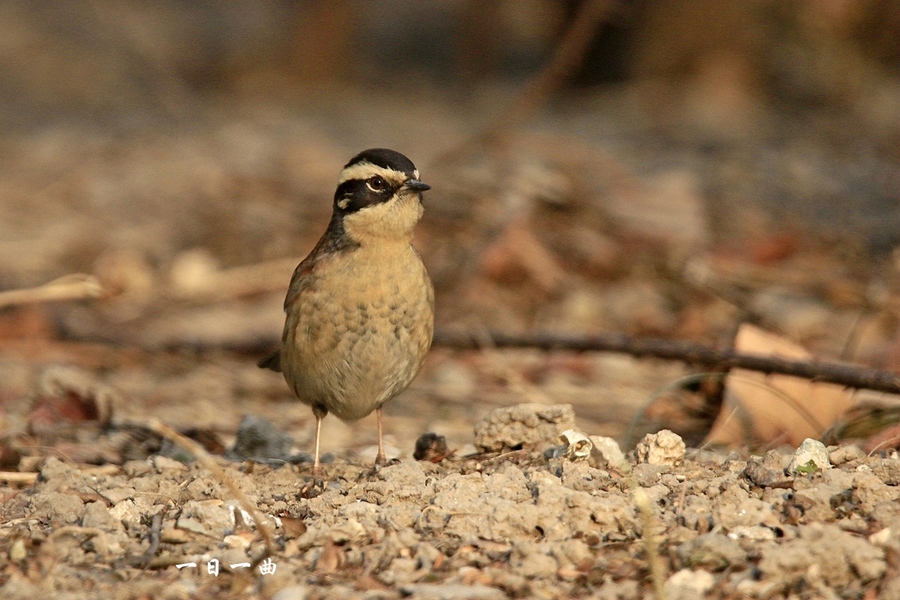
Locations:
column 688, row 584
column 350, row 530
column 648, row 475
column 292, row 592
column 164, row 463
column 427, row 554
column 170, row 535
column 711, row 551
column 208, row 517
column 888, row 470
column 663, row 448
column 811, row 456
column 756, row 533
column 192, row 525
column 238, row 542
column 127, row 512
column 531, row 426
column 401, row 570
column 839, row 557
column 18, row 552
column 258, row 439
column 607, row 453
column 536, row 565
column 136, row 468
column 881, row 537
column 769, row 471
column 56, row 506
column 54, row 468
column 572, row 553
column 117, row 495
column 845, row 454
column 97, row 515
column 451, row 591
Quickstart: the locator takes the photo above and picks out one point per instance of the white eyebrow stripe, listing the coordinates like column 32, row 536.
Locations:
column 365, row 169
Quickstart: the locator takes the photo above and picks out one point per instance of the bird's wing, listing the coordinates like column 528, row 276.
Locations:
column 301, row 279
column 332, row 242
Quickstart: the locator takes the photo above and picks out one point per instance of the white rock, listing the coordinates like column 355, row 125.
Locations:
column 606, row 452
column 292, row 592
column 881, row 538
column 689, row 584
column 757, row 533
column 812, row 455
column 663, row 448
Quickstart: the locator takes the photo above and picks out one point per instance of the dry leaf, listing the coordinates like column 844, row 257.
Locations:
column 367, row 583
column 331, row 559
column 517, row 255
column 293, row 527
column 775, row 408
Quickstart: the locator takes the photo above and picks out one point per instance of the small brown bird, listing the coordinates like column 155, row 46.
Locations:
column 360, row 307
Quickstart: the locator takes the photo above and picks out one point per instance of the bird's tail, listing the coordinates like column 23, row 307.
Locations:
column 271, row 361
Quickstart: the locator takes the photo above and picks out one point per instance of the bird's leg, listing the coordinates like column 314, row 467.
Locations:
column 317, row 466
column 379, row 458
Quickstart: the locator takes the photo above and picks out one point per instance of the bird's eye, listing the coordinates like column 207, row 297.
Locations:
column 376, row 184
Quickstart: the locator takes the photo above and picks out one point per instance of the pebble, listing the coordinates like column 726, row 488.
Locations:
column 292, row 592
column 523, row 426
column 607, row 453
column 712, row 551
column 450, row 591
column 662, row 448
column 812, row 455
column 845, row 454
column 688, row 585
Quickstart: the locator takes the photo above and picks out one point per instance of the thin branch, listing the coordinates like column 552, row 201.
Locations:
column 567, row 56
column 687, row 352
column 70, row 287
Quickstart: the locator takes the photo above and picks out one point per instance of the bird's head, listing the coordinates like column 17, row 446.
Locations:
column 379, row 195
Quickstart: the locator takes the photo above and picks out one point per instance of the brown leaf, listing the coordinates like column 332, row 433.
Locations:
column 331, row 559
column 71, row 395
column 775, row 407
column 293, row 527
column 517, row 255
column 366, row 583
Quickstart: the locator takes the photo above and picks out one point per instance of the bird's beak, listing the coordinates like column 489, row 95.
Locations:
column 415, row 185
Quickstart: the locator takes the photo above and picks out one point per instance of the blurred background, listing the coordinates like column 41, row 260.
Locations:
column 670, row 168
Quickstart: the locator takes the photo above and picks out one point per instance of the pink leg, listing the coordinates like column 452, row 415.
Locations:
column 317, row 466
column 379, row 458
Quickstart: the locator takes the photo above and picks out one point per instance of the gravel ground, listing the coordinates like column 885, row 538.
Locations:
column 543, row 521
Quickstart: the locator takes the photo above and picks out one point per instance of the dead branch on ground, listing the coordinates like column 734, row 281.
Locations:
column 696, row 354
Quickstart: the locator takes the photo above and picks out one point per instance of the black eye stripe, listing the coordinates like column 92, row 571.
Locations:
column 355, row 194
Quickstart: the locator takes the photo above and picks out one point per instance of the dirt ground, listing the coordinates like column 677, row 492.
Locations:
column 510, row 523
column 148, row 232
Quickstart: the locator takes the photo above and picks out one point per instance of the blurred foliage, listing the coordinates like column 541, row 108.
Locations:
column 98, row 59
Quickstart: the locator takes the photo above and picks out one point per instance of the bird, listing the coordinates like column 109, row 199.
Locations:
column 359, row 310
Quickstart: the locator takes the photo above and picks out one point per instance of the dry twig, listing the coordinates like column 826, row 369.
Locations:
column 567, row 55
column 698, row 354
column 205, row 460
column 68, row 287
